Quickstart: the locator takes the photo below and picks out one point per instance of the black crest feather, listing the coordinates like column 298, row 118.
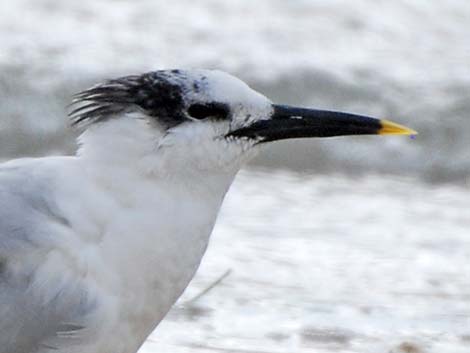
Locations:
column 157, row 93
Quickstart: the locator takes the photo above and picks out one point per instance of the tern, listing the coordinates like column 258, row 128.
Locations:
column 95, row 248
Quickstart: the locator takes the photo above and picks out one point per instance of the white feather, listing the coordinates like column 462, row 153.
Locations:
column 100, row 245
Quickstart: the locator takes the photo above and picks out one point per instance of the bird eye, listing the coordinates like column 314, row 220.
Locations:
column 208, row 110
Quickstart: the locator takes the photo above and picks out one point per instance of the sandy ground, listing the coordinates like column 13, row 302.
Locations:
column 330, row 264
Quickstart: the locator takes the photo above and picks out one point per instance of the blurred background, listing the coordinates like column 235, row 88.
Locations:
column 335, row 245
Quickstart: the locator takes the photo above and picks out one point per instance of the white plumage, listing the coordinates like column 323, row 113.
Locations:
column 99, row 246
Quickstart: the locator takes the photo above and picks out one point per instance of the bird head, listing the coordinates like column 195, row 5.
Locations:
column 201, row 120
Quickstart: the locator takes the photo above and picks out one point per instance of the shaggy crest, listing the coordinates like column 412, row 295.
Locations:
column 158, row 94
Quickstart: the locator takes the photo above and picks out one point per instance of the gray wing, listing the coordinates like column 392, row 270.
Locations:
column 38, row 313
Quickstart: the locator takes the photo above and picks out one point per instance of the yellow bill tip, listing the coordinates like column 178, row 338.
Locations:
column 391, row 128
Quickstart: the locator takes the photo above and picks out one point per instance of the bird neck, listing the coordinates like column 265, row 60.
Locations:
column 161, row 208
column 125, row 151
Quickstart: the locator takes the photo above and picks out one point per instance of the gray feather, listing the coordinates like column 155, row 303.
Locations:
column 30, row 323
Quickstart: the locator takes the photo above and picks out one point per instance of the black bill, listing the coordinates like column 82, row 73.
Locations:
column 288, row 122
